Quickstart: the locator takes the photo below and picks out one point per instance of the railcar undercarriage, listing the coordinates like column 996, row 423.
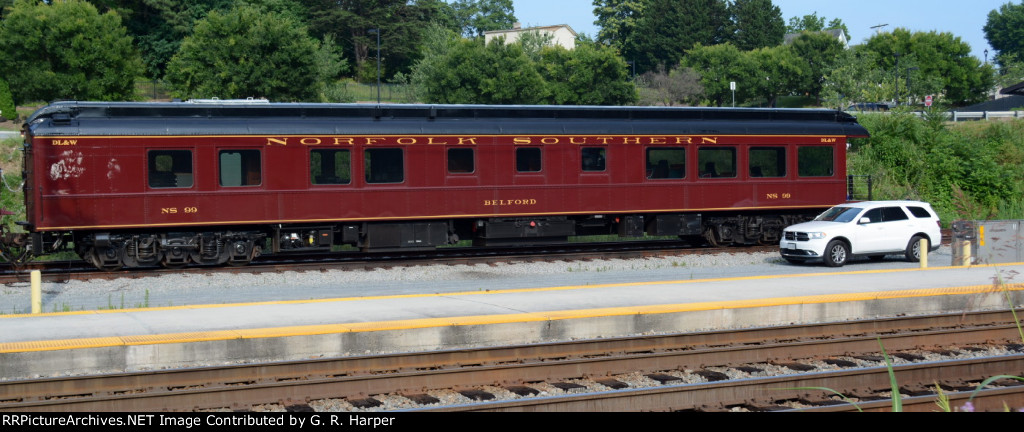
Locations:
column 113, row 251
column 238, row 246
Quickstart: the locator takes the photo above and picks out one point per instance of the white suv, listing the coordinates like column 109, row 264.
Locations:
column 871, row 228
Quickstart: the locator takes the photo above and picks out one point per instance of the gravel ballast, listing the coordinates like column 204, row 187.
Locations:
column 192, row 288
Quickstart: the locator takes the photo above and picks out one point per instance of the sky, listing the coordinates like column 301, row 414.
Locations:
column 962, row 18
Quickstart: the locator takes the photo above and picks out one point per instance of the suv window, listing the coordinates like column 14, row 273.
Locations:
column 919, row 212
column 839, row 214
column 885, row 214
column 875, row 215
column 890, row 214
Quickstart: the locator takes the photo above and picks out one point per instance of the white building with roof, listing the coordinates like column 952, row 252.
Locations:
column 561, row 34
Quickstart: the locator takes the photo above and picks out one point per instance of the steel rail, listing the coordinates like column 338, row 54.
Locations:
column 766, row 392
column 80, row 270
column 219, row 387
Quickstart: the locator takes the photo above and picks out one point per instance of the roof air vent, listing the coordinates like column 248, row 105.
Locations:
column 61, row 118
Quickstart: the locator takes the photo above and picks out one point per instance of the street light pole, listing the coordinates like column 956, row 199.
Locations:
column 377, row 32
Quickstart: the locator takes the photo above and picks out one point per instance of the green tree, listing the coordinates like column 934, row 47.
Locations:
column 617, row 20
column 668, row 28
column 471, row 72
column 478, row 16
column 814, row 23
column 66, row 50
column 438, row 43
column 778, row 72
column 856, row 77
column 590, row 74
column 680, row 85
column 401, row 24
column 330, row 65
column 247, row 53
column 7, row 108
column 5, row 5
column 1004, row 30
column 935, row 55
column 819, row 52
column 529, row 71
column 158, row 26
column 756, row 24
column 720, row 65
column 1010, row 72
column 533, row 42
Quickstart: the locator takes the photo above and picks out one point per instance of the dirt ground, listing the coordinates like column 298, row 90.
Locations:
column 8, row 125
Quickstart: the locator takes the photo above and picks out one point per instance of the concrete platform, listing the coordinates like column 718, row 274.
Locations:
column 158, row 338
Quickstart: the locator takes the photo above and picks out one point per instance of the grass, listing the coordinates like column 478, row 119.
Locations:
column 111, row 306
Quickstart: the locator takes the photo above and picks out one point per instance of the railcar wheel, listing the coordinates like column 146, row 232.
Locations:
column 175, row 255
column 836, row 254
column 242, row 252
column 709, row 235
column 913, row 252
column 106, row 259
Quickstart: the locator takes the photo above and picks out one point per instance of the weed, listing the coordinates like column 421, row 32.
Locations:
column 897, row 401
column 942, row 400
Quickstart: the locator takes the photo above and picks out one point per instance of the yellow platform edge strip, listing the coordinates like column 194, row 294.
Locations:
column 327, row 329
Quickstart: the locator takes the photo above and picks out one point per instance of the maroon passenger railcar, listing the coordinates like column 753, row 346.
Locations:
column 213, row 182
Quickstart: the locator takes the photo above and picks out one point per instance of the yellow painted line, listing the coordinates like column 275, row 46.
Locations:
column 493, row 292
column 325, row 329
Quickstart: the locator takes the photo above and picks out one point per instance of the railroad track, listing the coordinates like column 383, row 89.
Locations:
column 57, row 271
column 756, row 369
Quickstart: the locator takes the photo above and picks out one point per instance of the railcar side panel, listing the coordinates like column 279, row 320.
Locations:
column 90, row 187
column 132, row 174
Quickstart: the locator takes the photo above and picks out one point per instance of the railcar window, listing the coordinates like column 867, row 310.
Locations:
column 815, row 161
column 767, row 161
column 592, row 158
column 328, row 167
column 716, row 162
column 460, row 160
column 170, row 168
column 528, row 159
column 666, row 163
column 384, row 165
column 240, row 168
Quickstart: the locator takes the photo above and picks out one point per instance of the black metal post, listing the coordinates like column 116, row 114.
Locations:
column 377, row 32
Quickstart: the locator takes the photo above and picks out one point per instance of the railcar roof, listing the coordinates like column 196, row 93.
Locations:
column 216, row 117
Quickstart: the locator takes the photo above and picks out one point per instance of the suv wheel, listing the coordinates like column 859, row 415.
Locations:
column 913, row 252
column 836, row 254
